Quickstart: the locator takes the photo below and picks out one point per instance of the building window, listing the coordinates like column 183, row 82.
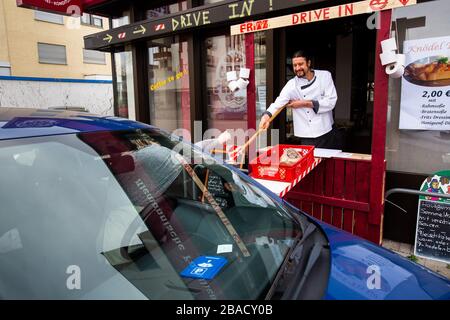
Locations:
column 48, row 17
column 5, row 71
column 226, row 109
column 125, row 84
column 122, row 20
column 5, row 68
column 169, row 84
column 91, row 20
column 420, row 151
column 52, row 53
column 155, row 13
column 94, row 56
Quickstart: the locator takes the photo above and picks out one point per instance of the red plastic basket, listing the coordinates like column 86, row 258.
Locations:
column 267, row 165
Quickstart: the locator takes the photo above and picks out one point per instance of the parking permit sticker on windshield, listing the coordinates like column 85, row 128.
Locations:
column 224, row 248
column 204, row 267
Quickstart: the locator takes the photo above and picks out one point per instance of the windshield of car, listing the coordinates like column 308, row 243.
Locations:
column 125, row 214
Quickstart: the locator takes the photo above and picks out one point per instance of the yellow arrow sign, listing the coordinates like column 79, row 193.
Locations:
column 108, row 38
column 142, row 30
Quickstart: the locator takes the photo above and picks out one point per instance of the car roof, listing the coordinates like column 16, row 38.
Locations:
column 23, row 122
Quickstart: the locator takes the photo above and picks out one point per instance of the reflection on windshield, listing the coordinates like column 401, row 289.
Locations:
column 142, row 214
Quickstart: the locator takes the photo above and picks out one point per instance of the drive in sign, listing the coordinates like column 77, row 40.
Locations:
column 340, row 11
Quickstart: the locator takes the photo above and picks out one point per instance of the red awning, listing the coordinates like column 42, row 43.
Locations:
column 65, row 7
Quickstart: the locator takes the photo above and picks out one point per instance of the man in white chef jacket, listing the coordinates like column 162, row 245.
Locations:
column 312, row 96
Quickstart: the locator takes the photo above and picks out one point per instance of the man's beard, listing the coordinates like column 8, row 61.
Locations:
column 303, row 74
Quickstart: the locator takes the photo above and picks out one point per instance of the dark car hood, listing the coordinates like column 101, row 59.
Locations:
column 355, row 262
column 20, row 123
column 352, row 257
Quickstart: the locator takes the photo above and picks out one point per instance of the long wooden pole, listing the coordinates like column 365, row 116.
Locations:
column 223, row 218
column 234, row 153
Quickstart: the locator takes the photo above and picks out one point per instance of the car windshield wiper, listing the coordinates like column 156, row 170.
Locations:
column 283, row 266
column 291, row 255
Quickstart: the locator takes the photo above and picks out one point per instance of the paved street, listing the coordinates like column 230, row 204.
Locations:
column 406, row 250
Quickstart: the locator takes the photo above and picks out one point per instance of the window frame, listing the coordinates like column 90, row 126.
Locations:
column 5, row 71
column 52, row 44
column 49, row 21
column 92, row 62
column 90, row 20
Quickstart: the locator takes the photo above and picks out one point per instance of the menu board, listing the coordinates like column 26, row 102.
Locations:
column 216, row 187
column 215, row 184
column 433, row 230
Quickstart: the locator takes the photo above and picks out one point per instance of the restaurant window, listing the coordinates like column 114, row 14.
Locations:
column 52, row 53
column 125, row 84
column 346, row 48
column 169, row 84
column 225, row 109
column 419, row 101
column 260, row 75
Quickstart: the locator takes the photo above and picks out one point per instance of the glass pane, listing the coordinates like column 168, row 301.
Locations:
column 130, row 216
column 260, row 74
column 165, row 10
column 169, row 84
column 122, row 21
column 85, row 18
column 93, row 56
column 226, row 109
column 418, row 151
column 97, row 21
column 48, row 17
column 5, row 71
column 125, row 84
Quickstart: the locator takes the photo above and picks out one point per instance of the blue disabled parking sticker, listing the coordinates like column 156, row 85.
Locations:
column 204, row 267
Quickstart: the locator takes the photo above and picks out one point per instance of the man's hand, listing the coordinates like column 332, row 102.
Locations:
column 264, row 123
column 300, row 104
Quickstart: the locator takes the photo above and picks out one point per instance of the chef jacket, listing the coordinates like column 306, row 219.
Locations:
column 309, row 122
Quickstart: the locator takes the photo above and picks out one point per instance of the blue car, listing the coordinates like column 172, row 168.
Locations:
column 107, row 208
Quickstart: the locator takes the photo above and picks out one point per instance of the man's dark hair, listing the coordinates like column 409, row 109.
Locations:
column 301, row 54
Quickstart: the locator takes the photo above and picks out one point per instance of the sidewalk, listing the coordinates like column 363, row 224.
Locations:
column 405, row 249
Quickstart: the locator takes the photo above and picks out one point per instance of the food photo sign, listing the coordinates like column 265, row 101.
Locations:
column 425, row 98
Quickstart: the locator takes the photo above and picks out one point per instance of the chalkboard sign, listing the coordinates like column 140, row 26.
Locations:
column 433, row 230
column 217, row 190
column 215, row 185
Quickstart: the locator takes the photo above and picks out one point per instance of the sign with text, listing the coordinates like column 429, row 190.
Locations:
column 340, row 11
column 425, row 99
column 203, row 16
column 433, row 220
column 64, row 7
column 216, row 188
column 215, row 185
column 433, row 231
